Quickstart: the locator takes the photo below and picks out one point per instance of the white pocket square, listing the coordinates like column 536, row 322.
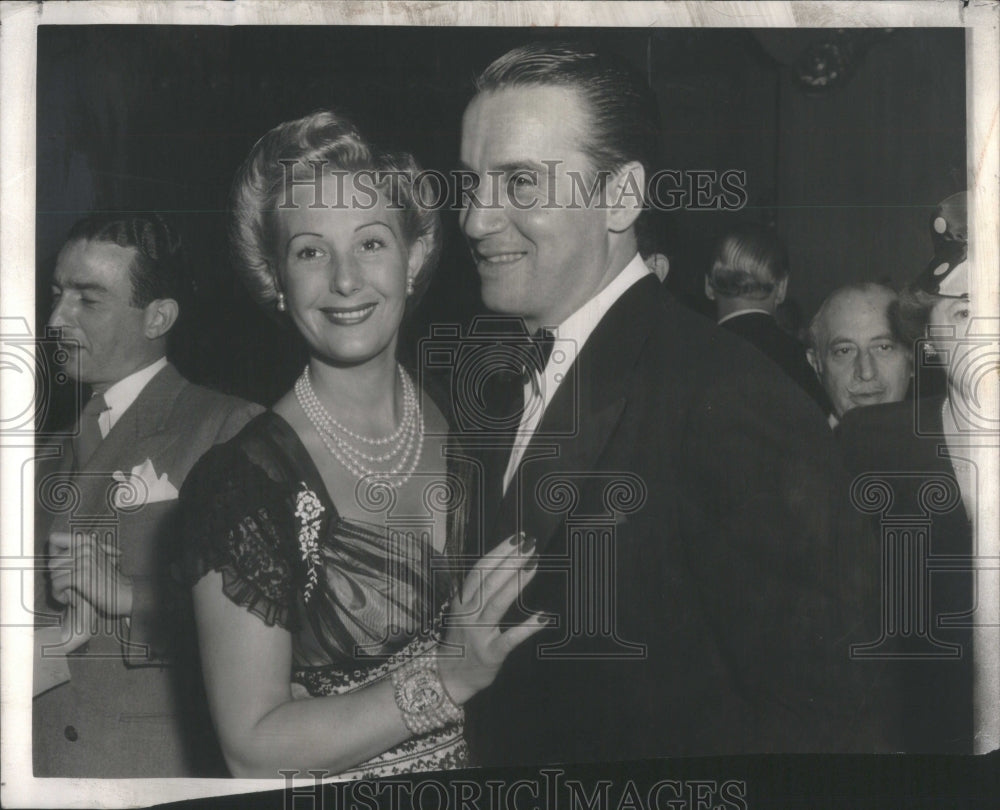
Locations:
column 142, row 486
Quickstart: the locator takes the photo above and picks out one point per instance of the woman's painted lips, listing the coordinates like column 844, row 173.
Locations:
column 348, row 316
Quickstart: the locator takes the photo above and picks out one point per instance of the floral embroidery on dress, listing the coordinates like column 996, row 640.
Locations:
column 255, row 510
column 308, row 510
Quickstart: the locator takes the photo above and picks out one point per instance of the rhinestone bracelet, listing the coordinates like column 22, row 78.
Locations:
column 422, row 697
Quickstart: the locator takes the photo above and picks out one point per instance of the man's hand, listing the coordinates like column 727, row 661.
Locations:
column 60, row 566
column 77, row 625
column 88, row 567
column 53, row 644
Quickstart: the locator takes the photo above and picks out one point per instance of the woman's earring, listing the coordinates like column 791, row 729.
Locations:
column 280, row 305
column 409, row 285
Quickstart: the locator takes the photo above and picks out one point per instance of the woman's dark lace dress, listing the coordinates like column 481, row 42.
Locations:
column 357, row 598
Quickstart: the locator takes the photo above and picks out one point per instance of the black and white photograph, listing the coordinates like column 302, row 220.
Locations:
column 500, row 405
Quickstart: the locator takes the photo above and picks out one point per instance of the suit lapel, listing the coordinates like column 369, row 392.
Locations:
column 548, row 457
column 505, row 404
column 583, row 413
column 121, row 448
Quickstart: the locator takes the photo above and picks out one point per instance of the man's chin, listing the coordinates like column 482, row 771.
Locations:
column 498, row 298
column 69, row 365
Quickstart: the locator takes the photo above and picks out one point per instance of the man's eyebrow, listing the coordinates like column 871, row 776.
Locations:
column 508, row 167
column 82, row 286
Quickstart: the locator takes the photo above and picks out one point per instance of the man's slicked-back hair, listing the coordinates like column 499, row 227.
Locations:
column 749, row 261
column 158, row 270
column 624, row 117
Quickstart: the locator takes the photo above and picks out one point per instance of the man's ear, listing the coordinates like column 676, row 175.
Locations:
column 625, row 189
column 159, row 317
column 814, row 362
column 659, row 265
column 709, row 291
column 781, row 290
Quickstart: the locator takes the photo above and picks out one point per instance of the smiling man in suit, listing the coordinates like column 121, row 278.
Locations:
column 694, row 558
column 115, row 300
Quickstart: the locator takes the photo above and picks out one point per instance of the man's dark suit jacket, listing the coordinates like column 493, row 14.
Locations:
column 899, row 448
column 126, row 712
column 712, row 481
column 762, row 331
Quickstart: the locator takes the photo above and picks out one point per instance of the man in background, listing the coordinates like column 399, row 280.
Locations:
column 121, row 713
column 748, row 281
column 854, row 351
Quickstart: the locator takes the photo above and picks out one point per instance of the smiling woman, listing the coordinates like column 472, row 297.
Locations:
column 351, row 270
column 317, row 153
column 320, row 622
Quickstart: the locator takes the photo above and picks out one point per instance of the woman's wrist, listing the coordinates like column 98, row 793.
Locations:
column 422, row 697
column 454, row 684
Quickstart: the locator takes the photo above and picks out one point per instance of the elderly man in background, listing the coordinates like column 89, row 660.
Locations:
column 108, row 703
column 854, row 350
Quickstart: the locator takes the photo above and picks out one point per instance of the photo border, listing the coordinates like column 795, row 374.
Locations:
column 18, row 63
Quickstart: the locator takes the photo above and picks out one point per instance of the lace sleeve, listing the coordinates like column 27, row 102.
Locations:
column 236, row 519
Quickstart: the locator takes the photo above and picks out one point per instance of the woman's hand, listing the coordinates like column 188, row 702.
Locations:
column 247, row 663
column 476, row 646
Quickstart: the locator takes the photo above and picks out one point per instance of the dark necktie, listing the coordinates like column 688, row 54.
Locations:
column 90, row 430
column 540, row 349
column 530, row 354
column 525, row 355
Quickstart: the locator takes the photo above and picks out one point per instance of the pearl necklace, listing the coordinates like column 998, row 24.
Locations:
column 339, row 439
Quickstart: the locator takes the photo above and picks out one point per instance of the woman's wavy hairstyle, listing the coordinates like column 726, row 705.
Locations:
column 333, row 140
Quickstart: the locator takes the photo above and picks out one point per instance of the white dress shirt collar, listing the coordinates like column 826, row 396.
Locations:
column 578, row 326
column 571, row 335
column 737, row 314
column 124, row 392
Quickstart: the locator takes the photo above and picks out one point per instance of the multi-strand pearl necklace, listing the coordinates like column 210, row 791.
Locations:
column 402, row 447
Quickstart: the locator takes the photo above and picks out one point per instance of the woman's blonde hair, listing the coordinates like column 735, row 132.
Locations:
column 331, row 139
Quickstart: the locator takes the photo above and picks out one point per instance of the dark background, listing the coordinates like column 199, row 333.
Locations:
column 159, row 118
